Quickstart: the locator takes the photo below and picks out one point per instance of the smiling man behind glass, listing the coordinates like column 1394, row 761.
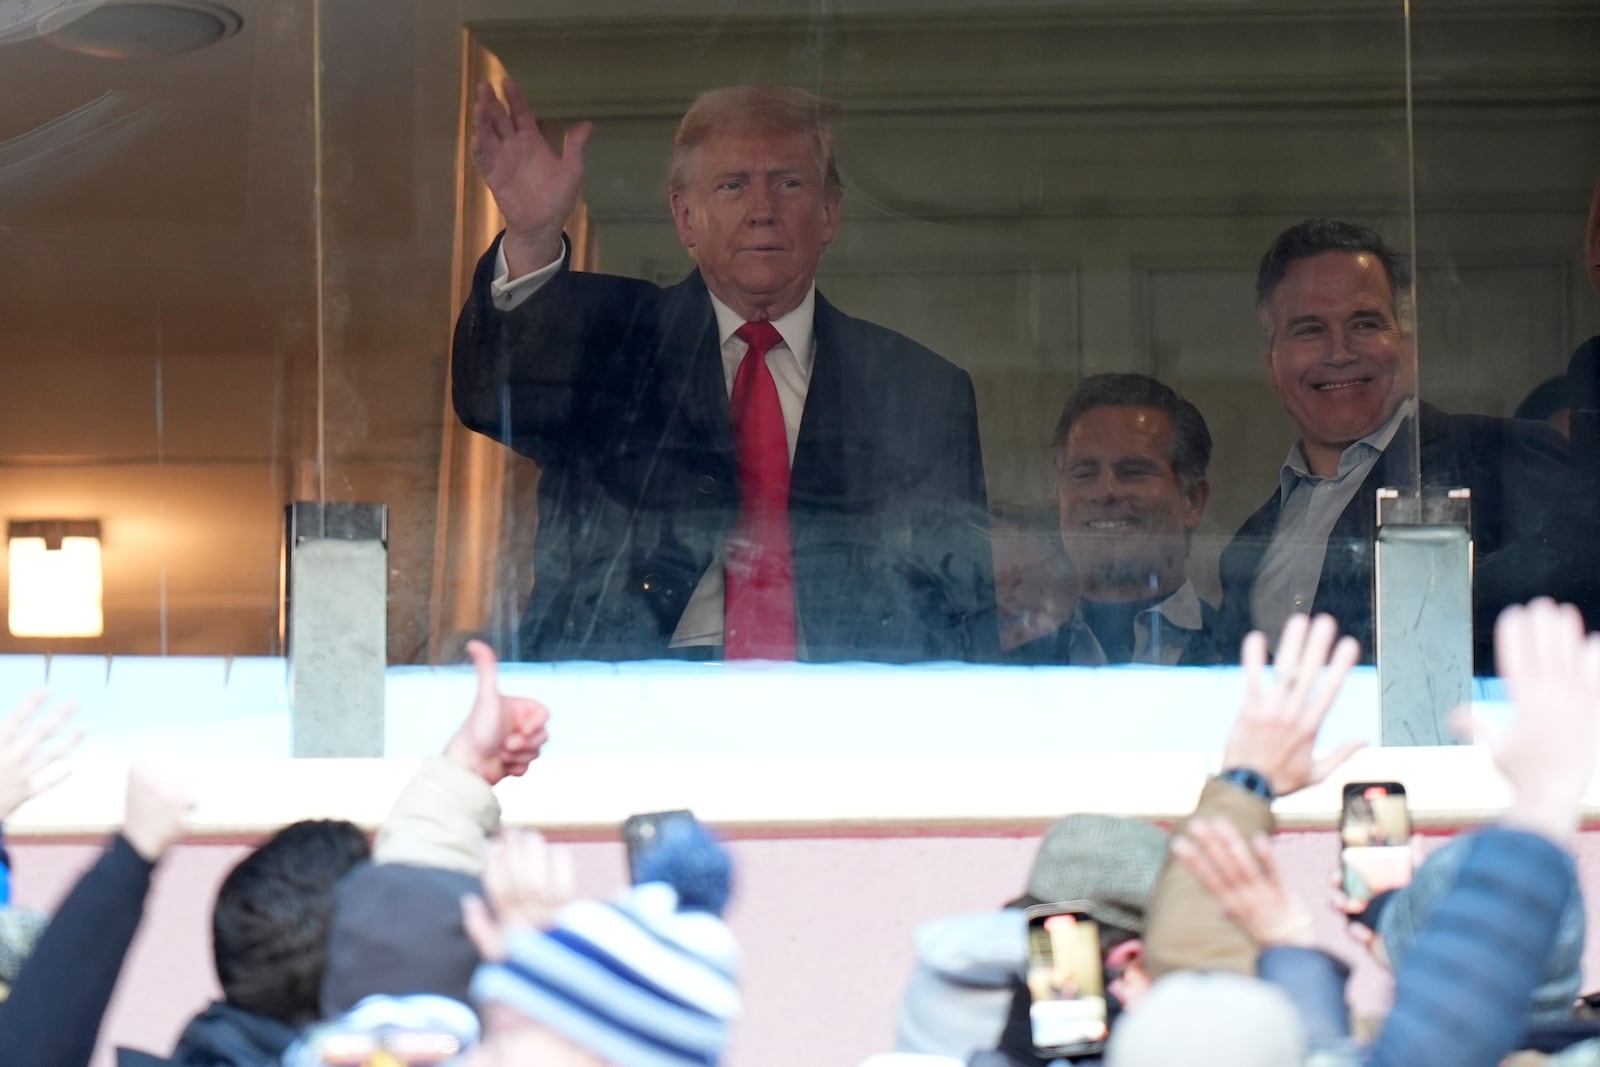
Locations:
column 1131, row 489
column 821, row 499
column 1331, row 298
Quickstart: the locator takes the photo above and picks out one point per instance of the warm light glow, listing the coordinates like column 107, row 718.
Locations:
column 55, row 592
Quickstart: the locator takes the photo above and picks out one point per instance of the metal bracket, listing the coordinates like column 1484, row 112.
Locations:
column 335, row 622
column 1422, row 611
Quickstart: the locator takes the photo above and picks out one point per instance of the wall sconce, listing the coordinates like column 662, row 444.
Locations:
column 55, row 578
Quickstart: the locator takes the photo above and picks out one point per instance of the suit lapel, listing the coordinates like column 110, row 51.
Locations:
column 691, row 359
column 1254, row 536
column 1345, row 587
column 1395, row 467
column 822, row 453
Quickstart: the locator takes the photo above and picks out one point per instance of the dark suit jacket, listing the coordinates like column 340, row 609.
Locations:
column 1582, row 551
column 1517, row 473
column 615, row 388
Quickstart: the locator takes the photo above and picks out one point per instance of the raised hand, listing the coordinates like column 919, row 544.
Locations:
column 31, row 751
column 1245, row 880
column 527, row 880
column 535, row 189
column 501, row 734
column 1277, row 727
column 1552, row 675
column 159, row 801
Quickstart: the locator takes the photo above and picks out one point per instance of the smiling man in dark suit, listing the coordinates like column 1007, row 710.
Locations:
column 729, row 466
column 1340, row 355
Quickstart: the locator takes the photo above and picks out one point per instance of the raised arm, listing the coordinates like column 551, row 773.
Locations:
column 448, row 810
column 535, row 189
column 1270, row 752
column 524, row 336
column 52, row 1017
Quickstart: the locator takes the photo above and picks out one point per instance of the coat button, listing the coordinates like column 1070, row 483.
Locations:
column 650, row 583
column 705, row 485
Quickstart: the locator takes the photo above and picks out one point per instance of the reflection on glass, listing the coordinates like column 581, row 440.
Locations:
column 1341, row 358
column 1500, row 304
column 1055, row 245
column 231, row 289
column 728, row 465
column 1581, row 393
column 156, row 196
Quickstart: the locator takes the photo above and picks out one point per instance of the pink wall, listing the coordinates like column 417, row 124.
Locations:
column 825, row 924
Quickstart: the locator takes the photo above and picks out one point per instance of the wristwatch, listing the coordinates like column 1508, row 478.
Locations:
column 1248, row 780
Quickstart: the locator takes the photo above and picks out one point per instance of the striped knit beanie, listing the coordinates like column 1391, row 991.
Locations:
column 646, row 980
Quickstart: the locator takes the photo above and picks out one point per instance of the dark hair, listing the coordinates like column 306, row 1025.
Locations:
column 270, row 927
column 1315, row 236
column 1547, row 398
column 1191, row 439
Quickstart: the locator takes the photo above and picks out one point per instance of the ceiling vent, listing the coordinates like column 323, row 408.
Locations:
column 139, row 30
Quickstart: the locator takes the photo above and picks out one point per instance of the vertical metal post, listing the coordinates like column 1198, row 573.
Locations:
column 1423, row 612
column 335, row 623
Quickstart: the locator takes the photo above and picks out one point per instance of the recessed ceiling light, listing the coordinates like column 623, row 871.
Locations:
column 21, row 20
column 147, row 30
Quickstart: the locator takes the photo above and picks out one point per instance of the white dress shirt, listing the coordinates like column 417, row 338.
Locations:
column 790, row 364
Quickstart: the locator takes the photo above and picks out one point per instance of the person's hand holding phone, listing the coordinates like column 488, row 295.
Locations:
column 1369, row 872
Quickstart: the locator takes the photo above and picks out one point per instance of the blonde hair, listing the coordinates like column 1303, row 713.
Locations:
column 747, row 109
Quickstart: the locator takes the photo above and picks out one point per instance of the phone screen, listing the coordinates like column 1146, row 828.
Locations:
column 1066, row 981
column 1375, row 832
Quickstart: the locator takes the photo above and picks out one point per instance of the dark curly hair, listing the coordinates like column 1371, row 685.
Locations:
column 269, row 929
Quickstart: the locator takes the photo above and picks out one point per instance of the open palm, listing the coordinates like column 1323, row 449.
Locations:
column 535, row 189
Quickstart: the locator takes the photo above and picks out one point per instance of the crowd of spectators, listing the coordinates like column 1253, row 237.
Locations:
column 733, row 467
column 453, row 941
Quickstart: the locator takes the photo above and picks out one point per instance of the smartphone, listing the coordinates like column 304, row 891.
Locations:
column 641, row 832
column 1066, row 981
column 1374, row 838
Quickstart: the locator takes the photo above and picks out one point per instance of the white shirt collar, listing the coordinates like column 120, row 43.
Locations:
column 1181, row 608
column 795, row 328
column 1296, row 469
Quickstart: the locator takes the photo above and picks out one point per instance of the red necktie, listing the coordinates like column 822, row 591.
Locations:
column 758, row 614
